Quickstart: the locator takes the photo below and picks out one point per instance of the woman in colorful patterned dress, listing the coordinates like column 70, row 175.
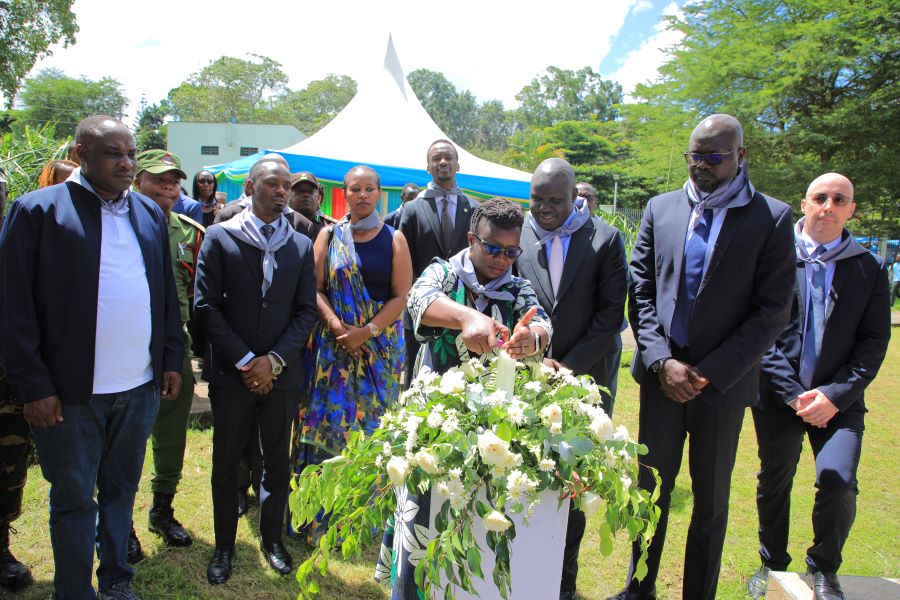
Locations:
column 461, row 308
column 363, row 274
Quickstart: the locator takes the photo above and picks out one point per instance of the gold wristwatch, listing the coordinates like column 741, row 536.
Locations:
column 373, row 329
column 276, row 364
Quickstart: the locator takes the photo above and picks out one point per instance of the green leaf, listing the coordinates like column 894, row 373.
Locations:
column 473, row 558
column 504, row 431
column 606, row 543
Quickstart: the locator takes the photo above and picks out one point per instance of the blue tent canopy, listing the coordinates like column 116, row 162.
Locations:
column 391, row 177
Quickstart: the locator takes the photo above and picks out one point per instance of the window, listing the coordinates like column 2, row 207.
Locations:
column 209, row 150
column 248, row 150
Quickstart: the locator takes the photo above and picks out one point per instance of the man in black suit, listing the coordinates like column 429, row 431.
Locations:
column 306, row 200
column 299, row 222
column 435, row 224
column 813, row 382
column 577, row 267
column 408, row 193
column 255, row 300
column 712, row 274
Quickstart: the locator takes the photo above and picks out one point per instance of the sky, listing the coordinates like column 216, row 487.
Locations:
column 491, row 48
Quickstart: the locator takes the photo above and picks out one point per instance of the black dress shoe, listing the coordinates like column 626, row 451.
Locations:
column 277, row 556
column 135, row 553
column 758, row 582
column 219, row 569
column 825, row 585
column 626, row 595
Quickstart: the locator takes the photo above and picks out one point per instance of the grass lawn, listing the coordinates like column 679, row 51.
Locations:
column 182, row 573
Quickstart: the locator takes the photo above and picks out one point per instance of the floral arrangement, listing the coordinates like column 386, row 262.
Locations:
column 503, row 428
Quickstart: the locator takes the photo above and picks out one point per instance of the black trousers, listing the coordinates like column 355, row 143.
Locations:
column 235, row 411
column 714, row 431
column 836, row 448
column 412, row 349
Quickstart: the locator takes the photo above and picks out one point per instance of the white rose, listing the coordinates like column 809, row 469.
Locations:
column 453, row 382
column 547, row 465
column 556, row 428
column 591, row 503
column 493, row 450
column 621, row 434
column 428, row 462
column 468, row 368
column 495, row 521
column 593, row 396
column 602, row 427
column 397, row 469
column 551, row 413
column 498, row 397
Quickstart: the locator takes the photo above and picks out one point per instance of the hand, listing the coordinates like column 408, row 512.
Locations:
column 554, row 364
column 815, row 408
column 353, row 339
column 257, row 373
column 171, row 385
column 45, row 412
column 522, row 343
column 479, row 332
column 679, row 380
column 262, row 390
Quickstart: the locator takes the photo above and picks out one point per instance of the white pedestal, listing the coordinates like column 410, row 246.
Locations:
column 536, row 554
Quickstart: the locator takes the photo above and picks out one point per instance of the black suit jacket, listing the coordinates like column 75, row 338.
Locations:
column 854, row 343
column 237, row 319
column 744, row 299
column 301, row 223
column 420, row 225
column 50, row 273
column 588, row 310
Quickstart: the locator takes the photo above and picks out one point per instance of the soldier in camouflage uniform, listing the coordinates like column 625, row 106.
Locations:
column 15, row 441
column 159, row 177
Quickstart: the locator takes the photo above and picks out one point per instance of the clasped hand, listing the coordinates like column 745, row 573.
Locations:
column 814, row 407
column 680, row 381
column 257, row 375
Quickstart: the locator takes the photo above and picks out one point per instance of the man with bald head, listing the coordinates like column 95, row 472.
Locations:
column 712, row 273
column 577, row 267
column 256, row 300
column 813, row 383
column 92, row 340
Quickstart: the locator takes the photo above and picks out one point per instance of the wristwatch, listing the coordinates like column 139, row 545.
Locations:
column 373, row 329
column 276, row 364
column 658, row 365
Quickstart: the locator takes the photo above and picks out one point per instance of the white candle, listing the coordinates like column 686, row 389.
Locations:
column 506, row 374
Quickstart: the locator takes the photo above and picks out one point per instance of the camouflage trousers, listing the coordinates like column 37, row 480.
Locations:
column 15, row 442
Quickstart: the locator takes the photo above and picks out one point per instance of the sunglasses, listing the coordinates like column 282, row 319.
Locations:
column 494, row 249
column 205, row 180
column 821, row 199
column 712, row 160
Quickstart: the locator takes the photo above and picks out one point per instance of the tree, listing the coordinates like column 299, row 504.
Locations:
column 228, row 88
column 150, row 126
column 494, row 126
column 815, row 83
column 452, row 111
column 27, row 30
column 563, row 95
column 52, row 97
column 313, row 107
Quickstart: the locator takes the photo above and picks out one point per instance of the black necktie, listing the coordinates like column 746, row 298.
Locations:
column 267, row 230
column 446, row 224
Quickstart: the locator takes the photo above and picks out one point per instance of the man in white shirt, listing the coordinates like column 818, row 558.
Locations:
column 92, row 340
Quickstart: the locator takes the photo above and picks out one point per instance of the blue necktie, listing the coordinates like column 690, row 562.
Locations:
column 815, row 321
column 692, row 275
column 267, row 230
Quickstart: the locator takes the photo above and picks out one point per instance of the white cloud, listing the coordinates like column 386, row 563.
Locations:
column 490, row 48
column 641, row 65
column 641, row 6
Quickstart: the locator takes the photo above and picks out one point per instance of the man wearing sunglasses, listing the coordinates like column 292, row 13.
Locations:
column 577, row 267
column 813, row 383
column 712, row 275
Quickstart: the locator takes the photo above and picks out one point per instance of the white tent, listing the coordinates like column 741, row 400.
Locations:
column 384, row 124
